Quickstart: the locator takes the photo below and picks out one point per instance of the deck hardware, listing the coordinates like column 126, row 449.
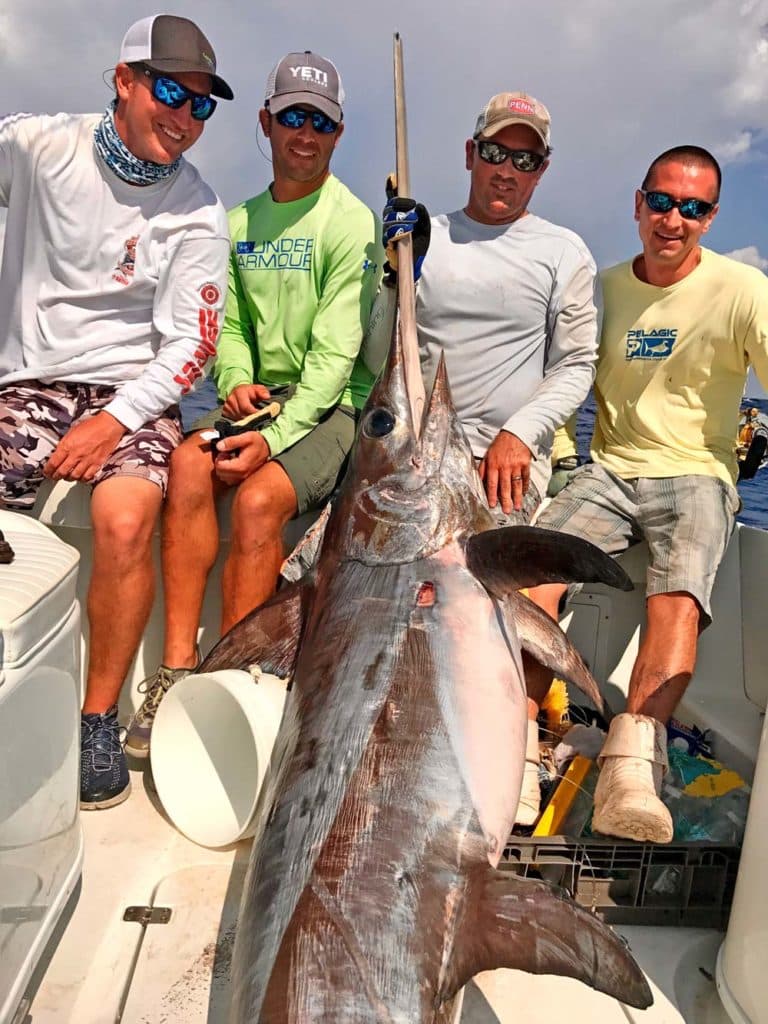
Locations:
column 147, row 915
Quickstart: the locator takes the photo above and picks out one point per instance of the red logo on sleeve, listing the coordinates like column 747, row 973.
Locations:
column 208, row 323
column 210, row 294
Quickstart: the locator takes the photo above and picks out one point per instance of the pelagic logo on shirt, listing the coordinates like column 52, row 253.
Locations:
column 656, row 344
column 283, row 254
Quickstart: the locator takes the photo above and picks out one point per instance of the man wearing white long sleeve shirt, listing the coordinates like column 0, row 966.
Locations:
column 112, row 288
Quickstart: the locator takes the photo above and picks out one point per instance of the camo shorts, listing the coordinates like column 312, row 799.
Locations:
column 35, row 416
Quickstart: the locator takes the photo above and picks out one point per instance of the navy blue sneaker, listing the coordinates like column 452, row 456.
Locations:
column 104, row 779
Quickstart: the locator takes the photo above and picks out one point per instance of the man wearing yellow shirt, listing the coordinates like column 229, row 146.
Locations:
column 681, row 327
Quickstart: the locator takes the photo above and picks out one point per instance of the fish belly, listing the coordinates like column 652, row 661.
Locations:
column 406, row 754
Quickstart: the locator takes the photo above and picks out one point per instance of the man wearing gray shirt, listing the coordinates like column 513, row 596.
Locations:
column 511, row 301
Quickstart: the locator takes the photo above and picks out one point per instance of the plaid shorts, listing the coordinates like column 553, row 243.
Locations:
column 35, row 416
column 531, row 502
column 686, row 521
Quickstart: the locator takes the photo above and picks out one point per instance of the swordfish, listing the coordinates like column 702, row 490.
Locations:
column 373, row 892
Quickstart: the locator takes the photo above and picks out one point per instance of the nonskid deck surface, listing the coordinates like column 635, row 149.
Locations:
column 107, row 970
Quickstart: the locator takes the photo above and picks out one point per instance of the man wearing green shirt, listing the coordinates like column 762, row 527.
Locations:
column 303, row 274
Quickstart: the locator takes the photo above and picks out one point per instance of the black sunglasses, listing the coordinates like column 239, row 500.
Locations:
column 690, row 209
column 294, row 117
column 522, row 159
column 174, row 95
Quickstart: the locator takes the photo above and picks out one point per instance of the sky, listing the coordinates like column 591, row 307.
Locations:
column 623, row 81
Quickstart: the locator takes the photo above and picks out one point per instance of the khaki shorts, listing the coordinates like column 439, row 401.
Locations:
column 316, row 463
column 35, row 416
column 686, row 521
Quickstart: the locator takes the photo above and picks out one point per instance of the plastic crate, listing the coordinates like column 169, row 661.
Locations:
column 634, row 883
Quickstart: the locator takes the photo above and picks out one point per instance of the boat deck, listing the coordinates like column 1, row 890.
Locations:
column 106, row 969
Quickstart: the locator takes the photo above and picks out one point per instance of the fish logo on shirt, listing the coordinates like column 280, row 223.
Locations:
column 656, row 344
column 126, row 265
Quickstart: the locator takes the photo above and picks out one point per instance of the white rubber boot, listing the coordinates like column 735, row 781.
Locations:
column 530, row 795
column 632, row 764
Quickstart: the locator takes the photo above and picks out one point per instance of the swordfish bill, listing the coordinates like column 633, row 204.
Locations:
column 373, row 892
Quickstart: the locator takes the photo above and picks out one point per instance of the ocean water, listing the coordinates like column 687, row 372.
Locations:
column 754, row 493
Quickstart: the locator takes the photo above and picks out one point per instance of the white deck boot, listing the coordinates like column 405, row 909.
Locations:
column 529, row 807
column 632, row 764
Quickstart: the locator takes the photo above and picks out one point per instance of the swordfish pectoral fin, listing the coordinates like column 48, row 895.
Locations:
column 547, row 643
column 514, row 557
column 533, row 926
column 268, row 636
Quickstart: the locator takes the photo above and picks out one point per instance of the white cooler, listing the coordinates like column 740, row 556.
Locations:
column 40, row 835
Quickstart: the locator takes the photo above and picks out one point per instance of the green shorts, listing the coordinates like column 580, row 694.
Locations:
column 316, row 463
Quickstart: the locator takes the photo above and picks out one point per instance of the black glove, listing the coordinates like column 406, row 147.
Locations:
column 401, row 217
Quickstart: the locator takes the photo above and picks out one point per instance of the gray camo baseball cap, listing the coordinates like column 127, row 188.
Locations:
column 305, row 78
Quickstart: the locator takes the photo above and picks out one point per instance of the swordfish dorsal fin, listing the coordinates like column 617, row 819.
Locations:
column 514, row 557
column 545, row 641
column 532, row 926
column 268, row 636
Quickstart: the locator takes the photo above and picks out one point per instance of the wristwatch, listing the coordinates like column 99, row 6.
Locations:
column 568, row 463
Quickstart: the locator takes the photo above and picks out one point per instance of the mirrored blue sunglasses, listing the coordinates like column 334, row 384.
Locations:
column 690, row 209
column 294, row 117
column 174, row 95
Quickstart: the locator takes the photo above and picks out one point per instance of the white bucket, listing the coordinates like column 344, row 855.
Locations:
column 211, row 743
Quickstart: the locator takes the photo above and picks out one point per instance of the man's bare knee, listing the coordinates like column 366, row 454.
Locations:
column 263, row 504
column 191, row 468
column 124, row 512
column 255, row 508
column 123, row 531
column 548, row 597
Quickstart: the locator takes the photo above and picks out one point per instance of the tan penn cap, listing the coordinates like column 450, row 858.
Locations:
column 514, row 108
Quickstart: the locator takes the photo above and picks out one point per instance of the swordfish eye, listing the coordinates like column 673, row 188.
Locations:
column 379, row 423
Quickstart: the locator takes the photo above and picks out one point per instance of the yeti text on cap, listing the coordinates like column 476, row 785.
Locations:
column 310, row 74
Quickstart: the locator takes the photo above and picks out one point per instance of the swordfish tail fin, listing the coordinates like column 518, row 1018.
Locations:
column 532, row 926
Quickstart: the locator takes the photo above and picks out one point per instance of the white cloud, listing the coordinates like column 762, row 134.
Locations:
column 731, row 150
column 623, row 82
column 749, row 254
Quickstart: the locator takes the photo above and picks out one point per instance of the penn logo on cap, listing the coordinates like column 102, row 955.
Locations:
column 522, row 107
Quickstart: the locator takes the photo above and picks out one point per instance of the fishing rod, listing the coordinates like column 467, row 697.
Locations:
column 406, row 289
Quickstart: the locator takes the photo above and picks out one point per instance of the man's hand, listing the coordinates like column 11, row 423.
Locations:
column 403, row 217
column 505, row 471
column 85, row 448
column 239, row 457
column 243, row 401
